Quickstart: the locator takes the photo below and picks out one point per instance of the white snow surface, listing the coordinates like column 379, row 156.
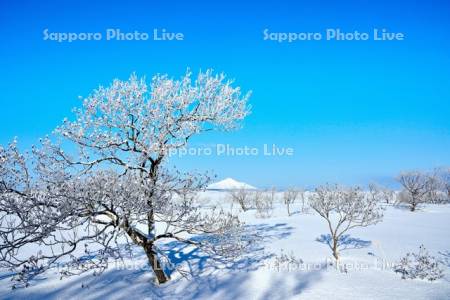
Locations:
column 230, row 184
column 368, row 256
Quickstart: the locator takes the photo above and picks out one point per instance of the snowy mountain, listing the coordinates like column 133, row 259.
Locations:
column 230, row 184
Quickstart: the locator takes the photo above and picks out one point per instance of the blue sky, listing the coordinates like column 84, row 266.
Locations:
column 354, row 111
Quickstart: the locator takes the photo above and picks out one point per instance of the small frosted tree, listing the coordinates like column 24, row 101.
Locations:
column 381, row 193
column 263, row 202
column 344, row 209
column 417, row 187
column 289, row 197
column 114, row 182
column 241, row 196
column 434, row 188
column 445, row 177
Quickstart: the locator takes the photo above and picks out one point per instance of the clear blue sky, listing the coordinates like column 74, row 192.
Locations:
column 352, row 111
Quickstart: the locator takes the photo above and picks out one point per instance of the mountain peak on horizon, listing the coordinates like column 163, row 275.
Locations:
column 230, row 184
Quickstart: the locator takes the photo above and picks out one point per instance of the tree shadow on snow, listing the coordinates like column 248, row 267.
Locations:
column 280, row 288
column 251, row 257
column 345, row 242
column 207, row 275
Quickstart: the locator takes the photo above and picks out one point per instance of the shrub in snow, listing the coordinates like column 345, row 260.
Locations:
column 343, row 209
column 419, row 265
column 287, row 262
column 113, row 183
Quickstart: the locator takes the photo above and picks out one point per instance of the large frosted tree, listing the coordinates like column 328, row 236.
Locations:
column 112, row 180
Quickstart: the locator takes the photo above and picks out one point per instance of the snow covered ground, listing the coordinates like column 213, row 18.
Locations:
column 368, row 256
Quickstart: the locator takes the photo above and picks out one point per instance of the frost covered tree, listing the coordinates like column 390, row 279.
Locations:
column 417, row 187
column 112, row 181
column 263, row 202
column 435, row 187
column 381, row 193
column 241, row 196
column 443, row 175
column 289, row 197
column 344, row 209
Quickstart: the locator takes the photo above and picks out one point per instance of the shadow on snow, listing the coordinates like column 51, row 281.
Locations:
column 345, row 242
column 208, row 275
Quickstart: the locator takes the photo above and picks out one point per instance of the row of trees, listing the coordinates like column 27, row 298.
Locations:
column 344, row 208
column 417, row 188
column 263, row 200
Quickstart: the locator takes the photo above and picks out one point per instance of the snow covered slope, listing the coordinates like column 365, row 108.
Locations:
column 230, row 184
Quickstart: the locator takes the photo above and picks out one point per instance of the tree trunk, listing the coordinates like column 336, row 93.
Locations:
column 152, row 256
column 288, row 209
column 241, row 202
column 335, row 248
column 156, row 264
